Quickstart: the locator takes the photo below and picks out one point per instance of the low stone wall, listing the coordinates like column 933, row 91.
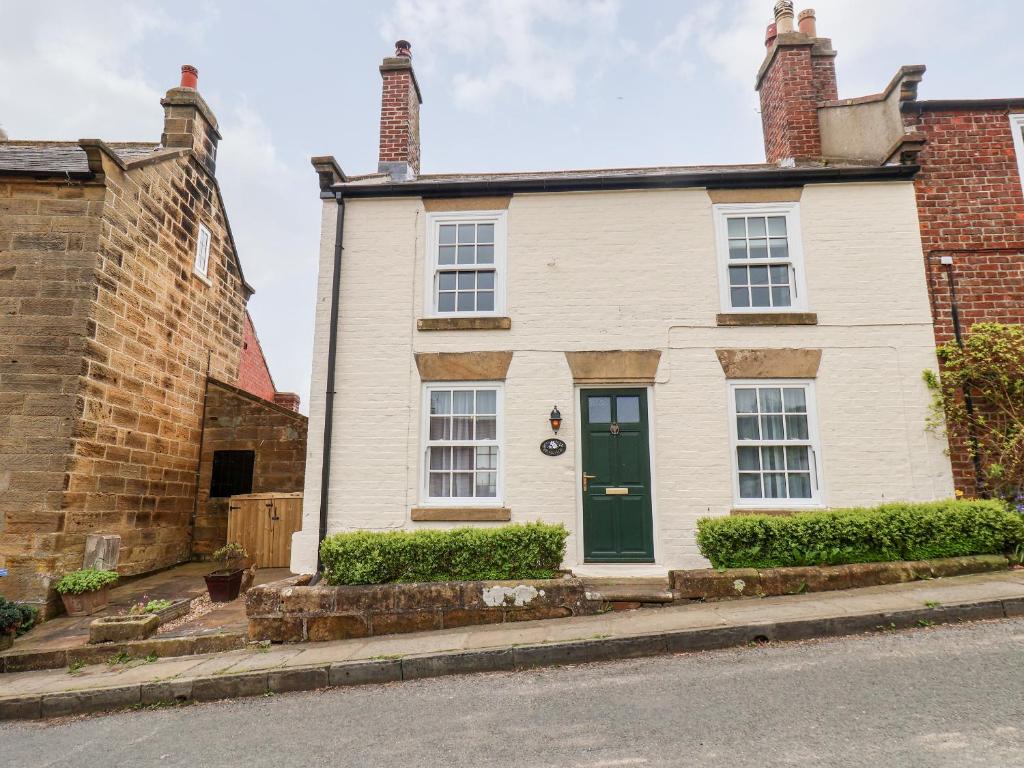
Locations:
column 289, row 611
column 711, row 584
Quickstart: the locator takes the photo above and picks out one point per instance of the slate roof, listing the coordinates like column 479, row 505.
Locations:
column 58, row 157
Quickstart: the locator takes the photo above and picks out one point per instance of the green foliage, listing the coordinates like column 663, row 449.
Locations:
column 531, row 551
column 230, row 551
column 85, row 580
column 16, row 618
column 991, row 367
column 901, row 531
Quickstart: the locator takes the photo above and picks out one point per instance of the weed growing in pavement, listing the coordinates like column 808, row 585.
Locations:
column 932, row 603
column 925, row 623
column 75, row 666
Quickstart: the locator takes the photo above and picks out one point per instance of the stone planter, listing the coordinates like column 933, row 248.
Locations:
column 86, row 603
column 173, row 611
column 119, row 629
column 291, row 611
column 6, row 641
column 224, row 585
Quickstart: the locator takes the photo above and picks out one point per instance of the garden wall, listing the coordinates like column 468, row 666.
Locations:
column 289, row 611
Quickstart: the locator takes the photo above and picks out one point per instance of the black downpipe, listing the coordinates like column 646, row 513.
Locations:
column 332, row 354
column 972, row 437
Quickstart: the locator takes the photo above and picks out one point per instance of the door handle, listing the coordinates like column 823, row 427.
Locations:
column 586, row 480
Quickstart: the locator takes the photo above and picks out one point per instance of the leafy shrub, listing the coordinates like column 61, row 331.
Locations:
column 85, row 580
column 902, row 531
column 16, row 618
column 531, row 551
column 228, row 553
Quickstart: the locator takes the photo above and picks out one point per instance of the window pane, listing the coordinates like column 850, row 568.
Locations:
column 463, row 458
column 440, row 428
column 781, row 297
column 463, row 485
column 486, row 428
column 777, row 226
column 796, row 458
column 771, row 428
column 486, row 458
column 759, row 249
column 737, row 227
column 485, row 301
column 771, row 400
column 746, row 401
column 796, row 400
column 780, row 275
column 486, row 401
column 466, row 254
column 796, row 427
column 780, row 248
column 773, row 457
column 467, row 281
column 440, row 458
column 447, row 234
column 462, row 402
column 759, row 297
column 775, row 486
column 737, row 275
column 446, row 281
column 485, row 254
column 485, row 233
column 441, row 402
column 446, row 302
column 800, row 486
column 485, row 280
column 599, row 409
column 627, row 410
column 759, row 275
column 739, row 297
column 462, row 428
column 467, row 233
column 486, row 484
column 446, row 254
column 737, row 249
column 440, row 484
column 748, row 458
column 466, row 302
column 750, row 486
column 755, row 227
column 746, row 428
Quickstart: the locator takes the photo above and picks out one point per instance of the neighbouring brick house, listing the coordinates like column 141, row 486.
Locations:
column 704, row 341
column 970, row 197
column 121, row 296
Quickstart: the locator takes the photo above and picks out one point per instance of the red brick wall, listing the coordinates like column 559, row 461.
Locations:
column 399, row 119
column 254, row 374
column 971, row 207
column 789, row 98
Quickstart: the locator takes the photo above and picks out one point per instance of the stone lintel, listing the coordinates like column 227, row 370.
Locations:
column 446, row 204
column 463, row 366
column 765, row 195
column 769, row 363
column 636, row 366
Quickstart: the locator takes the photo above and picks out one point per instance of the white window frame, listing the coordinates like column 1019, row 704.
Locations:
column 817, row 500
column 433, row 223
column 1017, row 127
column 201, row 265
column 796, row 253
column 426, row 499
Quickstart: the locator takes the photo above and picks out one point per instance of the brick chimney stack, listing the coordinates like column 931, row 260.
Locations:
column 399, row 116
column 798, row 72
column 188, row 120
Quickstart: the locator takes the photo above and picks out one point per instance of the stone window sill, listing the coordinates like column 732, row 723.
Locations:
column 464, row 323
column 461, row 514
column 767, row 318
column 778, row 512
column 203, row 278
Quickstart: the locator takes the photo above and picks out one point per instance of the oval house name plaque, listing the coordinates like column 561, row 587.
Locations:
column 552, row 447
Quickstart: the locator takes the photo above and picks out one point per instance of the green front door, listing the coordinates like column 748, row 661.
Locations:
column 617, row 524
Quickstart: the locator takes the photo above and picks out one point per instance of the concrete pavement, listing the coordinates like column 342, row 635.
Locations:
column 628, row 634
column 935, row 697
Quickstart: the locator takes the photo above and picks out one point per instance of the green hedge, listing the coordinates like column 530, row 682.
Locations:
column 531, row 551
column 890, row 532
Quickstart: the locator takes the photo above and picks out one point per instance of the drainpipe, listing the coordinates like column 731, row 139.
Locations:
column 332, row 355
column 972, row 437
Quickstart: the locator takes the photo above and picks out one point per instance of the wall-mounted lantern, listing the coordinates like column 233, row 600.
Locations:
column 555, row 419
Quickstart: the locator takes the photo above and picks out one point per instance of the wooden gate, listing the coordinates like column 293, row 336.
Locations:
column 263, row 523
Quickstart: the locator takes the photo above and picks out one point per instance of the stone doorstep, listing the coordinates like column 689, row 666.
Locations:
column 324, row 675
column 163, row 647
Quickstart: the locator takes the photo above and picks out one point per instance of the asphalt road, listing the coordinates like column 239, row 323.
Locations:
column 942, row 696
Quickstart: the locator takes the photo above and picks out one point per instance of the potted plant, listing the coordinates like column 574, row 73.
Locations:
column 224, row 583
column 85, row 591
column 15, row 620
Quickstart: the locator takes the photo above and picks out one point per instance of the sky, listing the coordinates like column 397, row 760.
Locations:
column 507, row 85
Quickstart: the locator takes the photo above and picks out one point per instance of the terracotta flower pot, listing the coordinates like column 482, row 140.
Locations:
column 86, row 603
column 224, row 585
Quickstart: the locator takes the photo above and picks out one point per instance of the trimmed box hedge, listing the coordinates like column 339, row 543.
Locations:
column 529, row 551
column 900, row 531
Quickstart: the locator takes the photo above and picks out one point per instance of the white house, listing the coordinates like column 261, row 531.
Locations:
column 716, row 340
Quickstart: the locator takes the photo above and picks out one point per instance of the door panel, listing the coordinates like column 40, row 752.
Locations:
column 617, row 519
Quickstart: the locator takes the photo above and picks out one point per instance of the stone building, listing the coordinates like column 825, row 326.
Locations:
column 121, row 296
column 623, row 350
column 970, row 152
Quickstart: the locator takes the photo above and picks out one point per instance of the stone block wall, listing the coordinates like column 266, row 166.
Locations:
column 238, row 421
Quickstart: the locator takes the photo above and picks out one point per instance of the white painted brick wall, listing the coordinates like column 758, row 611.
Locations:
column 628, row 270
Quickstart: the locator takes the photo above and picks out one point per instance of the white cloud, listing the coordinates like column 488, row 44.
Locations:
column 536, row 48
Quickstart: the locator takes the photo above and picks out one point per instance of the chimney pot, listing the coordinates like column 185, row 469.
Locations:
column 403, row 49
column 770, row 34
column 784, row 16
column 189, row 76
column 808, row 22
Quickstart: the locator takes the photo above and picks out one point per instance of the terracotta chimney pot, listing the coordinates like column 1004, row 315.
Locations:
column 808, row 22
column 403, row 49
column 189, row 76
column 784, row 16
column 770, row 34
